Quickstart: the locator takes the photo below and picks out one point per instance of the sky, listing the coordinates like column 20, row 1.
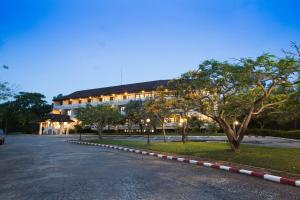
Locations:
column 61, row 46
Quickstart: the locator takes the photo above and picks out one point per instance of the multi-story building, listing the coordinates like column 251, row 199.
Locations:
column 63, row 114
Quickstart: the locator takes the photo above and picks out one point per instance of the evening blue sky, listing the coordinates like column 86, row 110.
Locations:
column 62, row 46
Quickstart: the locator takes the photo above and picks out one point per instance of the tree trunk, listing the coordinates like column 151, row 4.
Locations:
column 183, row 134
column 141, row 128
column 164, row 131
column 6, row 127
column 100, row 133
column 235, row 146
column 148, row 138
column 295, row 124
column 233, row 140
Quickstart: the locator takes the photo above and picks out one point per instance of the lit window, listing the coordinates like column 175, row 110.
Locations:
column 69, row 112
column 111, row 98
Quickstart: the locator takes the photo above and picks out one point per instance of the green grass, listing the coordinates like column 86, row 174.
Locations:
column 283, row 159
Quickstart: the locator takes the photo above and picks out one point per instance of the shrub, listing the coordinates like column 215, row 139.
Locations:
column 2, row 140
column 295, row 134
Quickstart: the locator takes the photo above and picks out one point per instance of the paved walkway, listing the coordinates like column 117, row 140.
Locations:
column 45, row 167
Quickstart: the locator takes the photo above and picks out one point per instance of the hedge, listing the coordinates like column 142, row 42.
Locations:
column 295, row 134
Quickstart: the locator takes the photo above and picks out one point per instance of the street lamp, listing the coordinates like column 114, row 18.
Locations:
column 235, row 123
column 148, row 139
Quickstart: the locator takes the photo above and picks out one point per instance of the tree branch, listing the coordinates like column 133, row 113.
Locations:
column 267, row 106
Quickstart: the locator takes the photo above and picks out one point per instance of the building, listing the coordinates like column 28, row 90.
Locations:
column 63, row 116
column 117, row 96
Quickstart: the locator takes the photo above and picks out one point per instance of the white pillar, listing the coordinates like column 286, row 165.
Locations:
column 41, row 128
column 61, row 129
column 68, row 126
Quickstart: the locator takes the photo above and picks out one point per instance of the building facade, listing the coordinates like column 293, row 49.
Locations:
column 117, row 96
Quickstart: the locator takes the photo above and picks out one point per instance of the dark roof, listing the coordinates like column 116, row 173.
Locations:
column 135, row 87
column 57, row 118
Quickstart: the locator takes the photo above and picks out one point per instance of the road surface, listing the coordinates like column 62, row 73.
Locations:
column 45, row 167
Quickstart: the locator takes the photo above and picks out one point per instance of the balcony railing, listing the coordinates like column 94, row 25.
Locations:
column 81, row 105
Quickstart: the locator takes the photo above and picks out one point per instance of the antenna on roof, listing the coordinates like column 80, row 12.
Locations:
column 121, row 76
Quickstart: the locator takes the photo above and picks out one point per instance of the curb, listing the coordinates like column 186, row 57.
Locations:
column 269, row 177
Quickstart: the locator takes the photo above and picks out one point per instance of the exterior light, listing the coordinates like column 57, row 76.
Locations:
column 236, row 122
column 148, row 120
column 125, row 93
column 143, row 91
column 180, row 124
column 181, row 120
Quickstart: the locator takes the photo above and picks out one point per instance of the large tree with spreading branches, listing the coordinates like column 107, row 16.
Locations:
column 232, row 93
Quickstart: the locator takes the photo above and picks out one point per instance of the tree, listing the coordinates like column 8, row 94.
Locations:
column 30, row 108
column 99, row 116
column 182, row 108
column 23, row 113
column 233, row 93
column 160, row 107
column 134, row 114
column 58, row 96
column 5, row 91
column 195, row 123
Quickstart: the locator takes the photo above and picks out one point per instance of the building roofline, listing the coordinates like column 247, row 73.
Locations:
column 133, row 87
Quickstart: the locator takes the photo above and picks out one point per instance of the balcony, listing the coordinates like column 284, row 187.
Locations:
column 114, row 102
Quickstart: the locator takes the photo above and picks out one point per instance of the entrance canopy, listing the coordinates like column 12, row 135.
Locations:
column 55, row 124
column 57, row 118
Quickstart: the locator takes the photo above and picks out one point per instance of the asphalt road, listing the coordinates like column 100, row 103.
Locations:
column 45, row 167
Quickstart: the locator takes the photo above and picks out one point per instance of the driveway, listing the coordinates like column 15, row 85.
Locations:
column 45, row 167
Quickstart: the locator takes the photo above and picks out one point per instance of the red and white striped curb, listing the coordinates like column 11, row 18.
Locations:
column 262, row 175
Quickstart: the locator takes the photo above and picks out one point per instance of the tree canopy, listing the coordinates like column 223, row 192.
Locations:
column 24, row 112
column 97, row 116
column 231, row 93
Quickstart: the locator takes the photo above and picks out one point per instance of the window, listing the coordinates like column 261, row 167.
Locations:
column 124, row 97
column 69, row 112
column 70, row 102
column 138, row 96
column 79, row 101
column 111, row 98
column 100, row 99
column 89, row 100
column 148, row 95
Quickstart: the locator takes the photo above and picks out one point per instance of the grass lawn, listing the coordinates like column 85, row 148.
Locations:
column 283, row 159
column 160, row 134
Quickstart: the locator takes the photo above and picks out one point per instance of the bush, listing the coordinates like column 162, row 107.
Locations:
column 212, row 128
column 274, row 133
column 2, row 140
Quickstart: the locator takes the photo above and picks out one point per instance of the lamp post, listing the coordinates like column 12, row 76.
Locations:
column 147, row 122
column 235, row 123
